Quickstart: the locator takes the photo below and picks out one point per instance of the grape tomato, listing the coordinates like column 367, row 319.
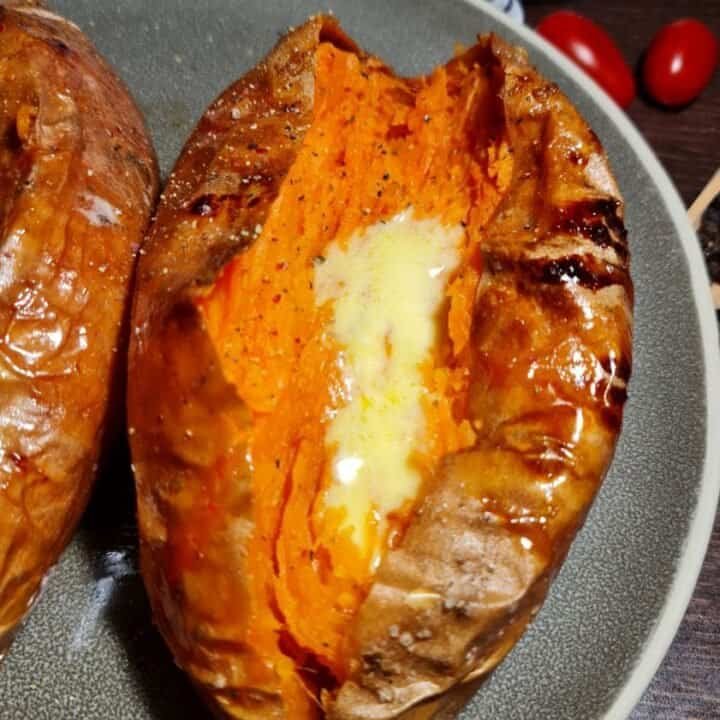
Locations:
column 680, row 62
column 586, row 43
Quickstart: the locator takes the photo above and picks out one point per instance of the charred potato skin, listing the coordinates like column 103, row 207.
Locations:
column 552, row 349
column 78, row 180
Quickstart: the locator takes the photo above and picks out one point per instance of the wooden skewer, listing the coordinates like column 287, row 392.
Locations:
column 706, row 196
column 695, row 213
column 715, row 292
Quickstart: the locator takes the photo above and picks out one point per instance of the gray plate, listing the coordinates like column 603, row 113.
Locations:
column 89, row 650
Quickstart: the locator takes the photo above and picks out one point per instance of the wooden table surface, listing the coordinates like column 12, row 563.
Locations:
column 687, row 686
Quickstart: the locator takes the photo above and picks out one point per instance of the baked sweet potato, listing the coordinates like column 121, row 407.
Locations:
column 77, row 184
column 382, row 336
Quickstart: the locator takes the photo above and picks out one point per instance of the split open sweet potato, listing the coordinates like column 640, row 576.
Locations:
column 381, row 344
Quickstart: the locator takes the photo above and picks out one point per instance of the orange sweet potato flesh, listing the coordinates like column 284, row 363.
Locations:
column 77, row 183
column 263, row 596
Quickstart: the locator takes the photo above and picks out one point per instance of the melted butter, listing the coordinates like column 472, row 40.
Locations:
column 386, row 287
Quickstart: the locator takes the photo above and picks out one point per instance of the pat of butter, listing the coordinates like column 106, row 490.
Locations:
column 386, row 286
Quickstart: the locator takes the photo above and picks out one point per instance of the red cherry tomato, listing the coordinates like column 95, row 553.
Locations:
column 680, row 62
column 593, row 50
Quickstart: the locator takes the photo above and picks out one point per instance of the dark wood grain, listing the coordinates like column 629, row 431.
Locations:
column 687, row 686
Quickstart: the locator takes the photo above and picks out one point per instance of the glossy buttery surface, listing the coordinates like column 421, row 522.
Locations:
column 77, row 183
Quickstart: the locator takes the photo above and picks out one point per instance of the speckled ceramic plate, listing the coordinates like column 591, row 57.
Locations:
column 89, row 650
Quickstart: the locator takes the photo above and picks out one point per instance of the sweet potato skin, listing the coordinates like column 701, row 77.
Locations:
column 551, row 345
column 78, row 180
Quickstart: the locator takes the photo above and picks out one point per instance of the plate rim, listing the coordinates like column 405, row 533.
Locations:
column 692, row 556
